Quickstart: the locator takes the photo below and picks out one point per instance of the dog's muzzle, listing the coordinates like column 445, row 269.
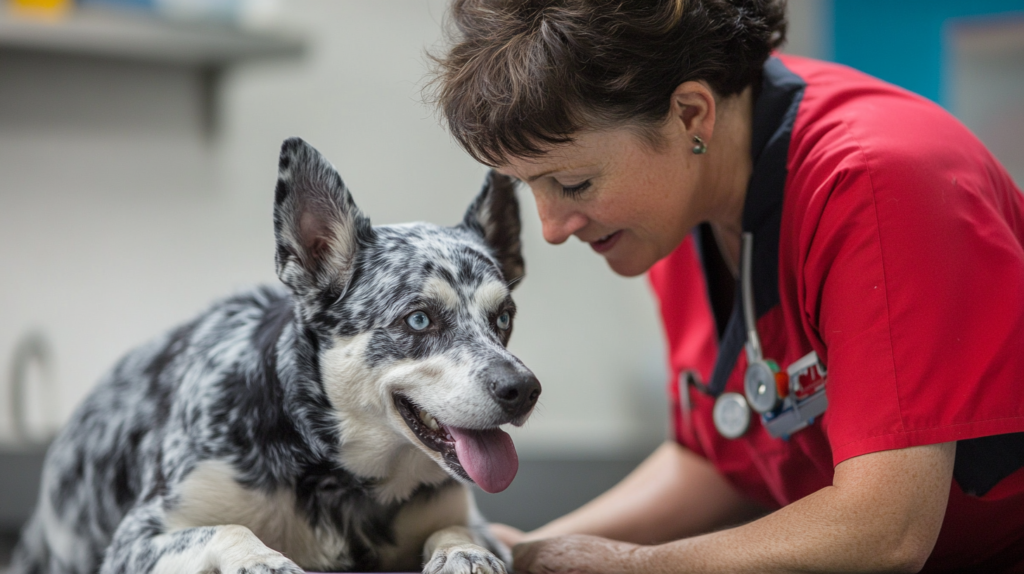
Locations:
column 484, row 456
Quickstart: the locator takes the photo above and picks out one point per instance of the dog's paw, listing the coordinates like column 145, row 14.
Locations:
column 464, row 559
column 236, row 550
column 268, row 569
column 287, row 567
column 267, row 562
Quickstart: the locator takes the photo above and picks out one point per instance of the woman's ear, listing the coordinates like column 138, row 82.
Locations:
column 693, row 107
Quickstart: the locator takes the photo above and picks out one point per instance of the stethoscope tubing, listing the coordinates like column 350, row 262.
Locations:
column 753, row 346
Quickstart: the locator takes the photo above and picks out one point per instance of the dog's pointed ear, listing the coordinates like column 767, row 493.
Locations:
column 318, row 227
column 494, row 215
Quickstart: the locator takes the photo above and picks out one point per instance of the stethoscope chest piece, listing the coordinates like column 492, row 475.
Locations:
column 731, row 415
column 760, row 387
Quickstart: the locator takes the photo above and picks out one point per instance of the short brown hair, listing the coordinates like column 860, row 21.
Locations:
column 523, row 75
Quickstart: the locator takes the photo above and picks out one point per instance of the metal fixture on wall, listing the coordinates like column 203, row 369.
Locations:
column 32, row 348
column 21, row 462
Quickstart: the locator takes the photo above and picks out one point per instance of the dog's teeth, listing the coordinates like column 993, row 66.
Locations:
column 429, row 420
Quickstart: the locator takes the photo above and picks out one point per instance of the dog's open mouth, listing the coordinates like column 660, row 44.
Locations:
column 487, row 457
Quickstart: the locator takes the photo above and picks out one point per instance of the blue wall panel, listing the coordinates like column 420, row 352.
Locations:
column 902, row 41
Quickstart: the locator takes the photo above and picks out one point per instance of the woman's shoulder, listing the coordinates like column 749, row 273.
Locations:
column 851, row 127
column 871, row 162
column 843, row 107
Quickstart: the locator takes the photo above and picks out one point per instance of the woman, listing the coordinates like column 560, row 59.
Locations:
column 885, row 263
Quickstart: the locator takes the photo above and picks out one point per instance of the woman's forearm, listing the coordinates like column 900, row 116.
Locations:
column 882, row 514
column 672, row 494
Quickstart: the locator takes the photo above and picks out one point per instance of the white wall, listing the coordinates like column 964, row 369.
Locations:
column 119, row 219
column 810, row 28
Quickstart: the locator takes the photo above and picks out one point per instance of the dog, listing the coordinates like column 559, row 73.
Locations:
column 334, row 423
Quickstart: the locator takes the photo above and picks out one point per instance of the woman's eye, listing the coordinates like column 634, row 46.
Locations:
column 504, row 321
column 418, row 321
column 574, row 191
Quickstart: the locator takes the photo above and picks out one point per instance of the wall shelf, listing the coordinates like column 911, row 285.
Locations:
column 147, row 38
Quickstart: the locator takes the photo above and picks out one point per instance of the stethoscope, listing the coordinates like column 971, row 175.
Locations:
column 787, row 400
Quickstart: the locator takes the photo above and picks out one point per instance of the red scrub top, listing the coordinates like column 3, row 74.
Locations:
column 888, row 240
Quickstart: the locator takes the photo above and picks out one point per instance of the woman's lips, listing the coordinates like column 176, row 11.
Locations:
column 607, row 242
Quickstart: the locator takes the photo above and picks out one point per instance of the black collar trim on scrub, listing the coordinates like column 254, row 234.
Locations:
column 774, row 114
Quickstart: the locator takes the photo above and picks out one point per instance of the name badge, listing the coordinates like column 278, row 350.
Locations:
column 804, row 401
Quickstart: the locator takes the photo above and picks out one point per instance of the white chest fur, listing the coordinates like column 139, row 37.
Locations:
column 210, row 496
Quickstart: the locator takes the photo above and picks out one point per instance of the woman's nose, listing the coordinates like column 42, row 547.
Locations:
column 559, row 221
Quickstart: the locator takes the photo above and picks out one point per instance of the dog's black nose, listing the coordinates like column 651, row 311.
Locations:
column 516, row 391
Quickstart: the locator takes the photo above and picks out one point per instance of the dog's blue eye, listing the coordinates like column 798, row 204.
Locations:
column 504, row 321
column 418, row 321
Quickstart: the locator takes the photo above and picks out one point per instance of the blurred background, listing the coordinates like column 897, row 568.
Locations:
column 138, row 153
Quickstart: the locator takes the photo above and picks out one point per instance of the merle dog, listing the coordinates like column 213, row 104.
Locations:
column 332, row 425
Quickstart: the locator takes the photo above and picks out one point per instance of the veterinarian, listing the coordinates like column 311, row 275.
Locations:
column 840, row 271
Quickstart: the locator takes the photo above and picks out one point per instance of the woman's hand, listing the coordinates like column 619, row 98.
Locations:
column 671, row 495
column 576, row 554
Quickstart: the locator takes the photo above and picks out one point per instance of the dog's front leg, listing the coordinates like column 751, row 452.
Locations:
column 142, row 544
column 454, row 550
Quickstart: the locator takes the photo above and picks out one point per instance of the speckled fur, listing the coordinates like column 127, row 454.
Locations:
column 263, row 436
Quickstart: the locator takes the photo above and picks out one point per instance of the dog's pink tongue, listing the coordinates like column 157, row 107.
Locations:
column 488, row 456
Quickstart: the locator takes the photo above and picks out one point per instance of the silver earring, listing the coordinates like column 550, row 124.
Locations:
column 699, row 146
